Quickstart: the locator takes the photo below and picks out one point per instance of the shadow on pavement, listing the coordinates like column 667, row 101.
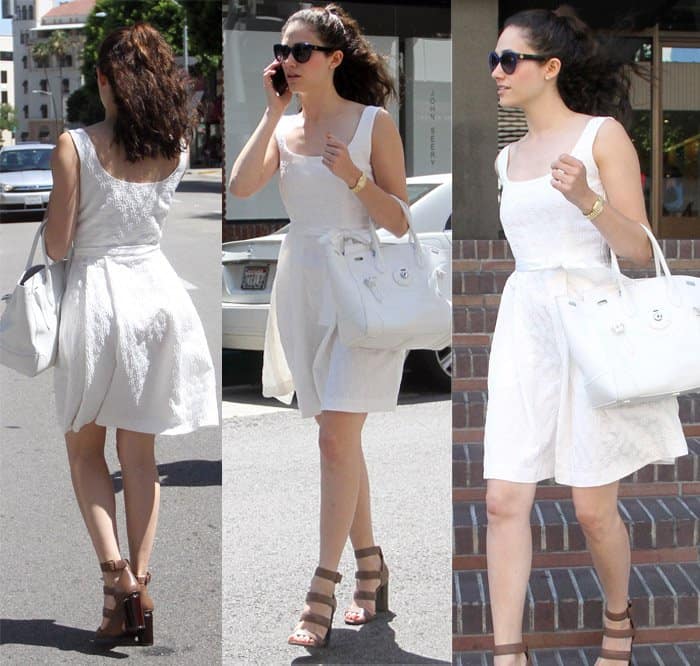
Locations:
column 374, row 643
column 192, row 473
column 46, row 633
column 208, row 185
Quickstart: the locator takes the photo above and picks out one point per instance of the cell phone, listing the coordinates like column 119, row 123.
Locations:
column 279, row 80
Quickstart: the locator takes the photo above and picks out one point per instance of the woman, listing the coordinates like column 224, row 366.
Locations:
column 571, row 189
column 132, row 352
column 340, row 162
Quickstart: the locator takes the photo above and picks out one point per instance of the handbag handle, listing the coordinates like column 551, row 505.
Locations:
column 39, row 234
column 412, row 236
column 659, row 263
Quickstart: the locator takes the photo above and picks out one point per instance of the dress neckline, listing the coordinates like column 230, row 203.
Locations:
column 318, row 157
column 122, row 180
column 549, row 173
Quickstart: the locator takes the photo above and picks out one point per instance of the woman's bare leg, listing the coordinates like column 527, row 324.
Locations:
column 341, row 469
column 509, row 558
column 136, row 453
column 608, row 541
column 95, row 494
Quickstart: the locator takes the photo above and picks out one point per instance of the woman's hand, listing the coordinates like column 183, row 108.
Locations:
column 569, row 177
column 337, row 158
column 275, row 102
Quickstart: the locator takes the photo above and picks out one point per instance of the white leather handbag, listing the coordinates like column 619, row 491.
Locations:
column 636, row 340
column 29, row 323
column 393, row 295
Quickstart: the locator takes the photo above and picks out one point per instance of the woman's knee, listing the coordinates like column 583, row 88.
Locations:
column 506, row 501
column 135, row 449
column 596, row 519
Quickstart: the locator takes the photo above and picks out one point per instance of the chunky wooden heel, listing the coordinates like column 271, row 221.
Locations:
column 146, row 635
column 380, row 596
column 126, row 619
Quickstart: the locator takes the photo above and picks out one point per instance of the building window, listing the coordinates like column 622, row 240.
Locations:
column 6, row 55
column 24, row 13
column 3, row 97
column 44, row 84
column 3, row 76
column 67, row 60
column 43, row 132
column 25, row 111
column 65, row 86
column 44, row 111
column 25, row 87
column 24, row 62
column 25, row 136
column 31, row 12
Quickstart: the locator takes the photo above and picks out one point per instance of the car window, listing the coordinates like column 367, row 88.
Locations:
column 36, row 159
column 419, row 190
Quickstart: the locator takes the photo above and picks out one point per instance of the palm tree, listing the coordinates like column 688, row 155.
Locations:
column 42, row 56
column 58, row 45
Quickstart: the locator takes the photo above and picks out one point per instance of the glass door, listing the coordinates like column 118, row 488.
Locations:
column 679, row 196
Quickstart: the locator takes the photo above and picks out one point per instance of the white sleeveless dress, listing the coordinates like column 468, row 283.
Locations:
column 132, row 353
column 302, row 350
column 539, row 422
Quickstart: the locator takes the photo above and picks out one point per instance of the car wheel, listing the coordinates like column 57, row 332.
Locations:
column 436, row 366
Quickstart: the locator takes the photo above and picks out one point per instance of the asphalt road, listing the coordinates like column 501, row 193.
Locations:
column 270, row 536
column 51, row 598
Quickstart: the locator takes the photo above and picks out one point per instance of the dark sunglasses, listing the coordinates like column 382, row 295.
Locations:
column 301, row 51
column 509, row 60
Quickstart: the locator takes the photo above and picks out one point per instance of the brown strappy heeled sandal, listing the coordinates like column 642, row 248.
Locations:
column 125, row 620
column 619, row 655
column 512, row 648
column 146, row 634
column 380, row 596
column 305, row 637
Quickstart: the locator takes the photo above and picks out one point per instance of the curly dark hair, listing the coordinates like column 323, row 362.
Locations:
column 363, row 76
column 592, row 79
column 154, row 113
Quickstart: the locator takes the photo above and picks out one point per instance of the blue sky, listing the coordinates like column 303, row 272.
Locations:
column 5, row 27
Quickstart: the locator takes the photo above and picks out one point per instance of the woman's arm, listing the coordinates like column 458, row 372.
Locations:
column 624, row 209
column 65, row 198
column 389, row 173
column 259, row 159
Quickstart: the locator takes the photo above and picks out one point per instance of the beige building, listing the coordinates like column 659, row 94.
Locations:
column 41, row 92
column 7, row 81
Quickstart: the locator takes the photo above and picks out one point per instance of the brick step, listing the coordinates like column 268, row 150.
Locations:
column 656, row 654
column 468, row 469
column 570, row 600
column 653, row 523
column 469, row 407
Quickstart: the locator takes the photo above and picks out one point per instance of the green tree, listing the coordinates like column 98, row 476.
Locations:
column 7, row 118
column 204, row 21
column 58, row 45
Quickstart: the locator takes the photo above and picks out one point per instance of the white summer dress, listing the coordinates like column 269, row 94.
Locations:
column 132, row 353
column 539, row 422
column 302, row 350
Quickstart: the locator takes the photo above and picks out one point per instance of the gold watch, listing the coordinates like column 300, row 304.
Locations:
column 596, row 210
column 359, row 185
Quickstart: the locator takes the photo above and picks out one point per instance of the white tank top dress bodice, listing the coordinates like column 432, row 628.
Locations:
column 539, row 423
column 132, row 352
column 303, row 353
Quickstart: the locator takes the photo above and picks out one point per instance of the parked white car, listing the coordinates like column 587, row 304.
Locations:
column 249, row 268
column 25, row 177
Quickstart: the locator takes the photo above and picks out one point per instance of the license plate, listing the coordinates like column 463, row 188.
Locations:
column 32, row 200
column 254, row 277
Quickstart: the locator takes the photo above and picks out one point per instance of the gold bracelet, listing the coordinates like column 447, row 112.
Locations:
column 596, row 210
column 359, row 185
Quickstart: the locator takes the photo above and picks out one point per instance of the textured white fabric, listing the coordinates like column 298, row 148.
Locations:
column 132, row 351
column 539, row 422
column 302, row 349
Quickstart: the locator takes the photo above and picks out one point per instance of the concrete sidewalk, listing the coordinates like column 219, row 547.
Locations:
column 270, row 538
